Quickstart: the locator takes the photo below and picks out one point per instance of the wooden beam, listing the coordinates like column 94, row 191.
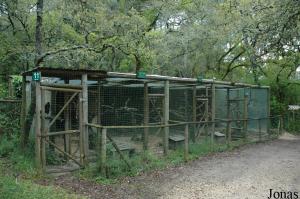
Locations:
column 166, row 116
column 38, row 129
column 60, row 150
column 146, row 116
column 228, row 124
column 245, row 122
column 43, row 127
column 206, row 112
column 194, row 105
column 61, row 133
column 62, row 109
column 85, row 116
column 67, row 140
column 156, row 95
column 213, row 112
column 81, row 126
column 259, row 130
column 103, row 152
column 61, row 89
column 186, row 142
column 98, row 116
column 118, row 150
column 66, row 85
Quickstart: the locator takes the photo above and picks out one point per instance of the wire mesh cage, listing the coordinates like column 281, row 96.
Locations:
column 97, row 116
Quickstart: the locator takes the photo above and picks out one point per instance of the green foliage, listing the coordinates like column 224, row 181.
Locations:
column 147, row 161
column 25, row 189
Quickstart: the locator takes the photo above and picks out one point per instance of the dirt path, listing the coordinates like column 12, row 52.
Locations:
column 245, row 173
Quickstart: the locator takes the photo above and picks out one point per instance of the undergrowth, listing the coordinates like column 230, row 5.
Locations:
column 147, row 161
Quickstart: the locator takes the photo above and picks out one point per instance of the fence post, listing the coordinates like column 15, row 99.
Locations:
column 213, row 113
column 23, row 113
column 146, row 116
column 259, row 129
column 38, row 129
column 245, row 116
column 166, row 117
column 103, row 152
column 85, row 131
column 186, row 142
column 281, row 124
column 228, row 132
column 193, row 134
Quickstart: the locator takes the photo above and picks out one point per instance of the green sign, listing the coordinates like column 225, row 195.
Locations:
column 36, row 76
column 200, row 78
column 141, row 75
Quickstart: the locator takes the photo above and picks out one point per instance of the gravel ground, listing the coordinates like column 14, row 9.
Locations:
column 248, row 172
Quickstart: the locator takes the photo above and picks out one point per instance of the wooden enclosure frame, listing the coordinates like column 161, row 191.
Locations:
column 81, row 92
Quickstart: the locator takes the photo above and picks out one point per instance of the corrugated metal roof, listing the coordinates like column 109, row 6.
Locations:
column 67, row 73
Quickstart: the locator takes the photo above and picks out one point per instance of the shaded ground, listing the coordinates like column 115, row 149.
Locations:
column 248, row 172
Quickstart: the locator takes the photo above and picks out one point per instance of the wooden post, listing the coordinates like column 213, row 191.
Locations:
column 67, row 141
column 38, row 129
column 206, row 112
column 23, row 113
column 81, row 127
column 259, row 129
column 85, row 118
column 281, row 124
column 269, row 111
column 166, row 116
column 99, row 116
column 146, row 116
column 193, row 135
column 228, row 124
column 213, row 111
column 103, row 152
column 186, row 142
column 43, row 131
column 245, row 123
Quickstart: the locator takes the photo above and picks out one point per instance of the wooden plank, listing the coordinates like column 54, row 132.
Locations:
column 119, row 151
column 66, row 85
column 166, row 113
column 85, row 117
column 186, row 142
column 61, row 133
column 156, row 95
column 146, row 116
column 62, row 109
column 61, row 89
column 11, row 100
column 38, row 129
column 103, row 152
column 60, row 150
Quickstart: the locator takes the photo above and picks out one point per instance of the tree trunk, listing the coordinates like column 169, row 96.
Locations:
column 38, row 31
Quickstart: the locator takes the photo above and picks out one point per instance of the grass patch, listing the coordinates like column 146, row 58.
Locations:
column 147, row 161
column 25, row 189
column 13, row 188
